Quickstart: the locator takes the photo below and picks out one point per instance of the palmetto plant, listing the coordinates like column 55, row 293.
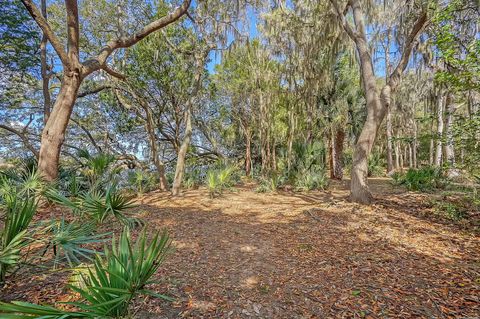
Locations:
column 219, row 179
column 97, row 205
column 68, row 240
column 111, row 284
column 18, row 215
column 122, row 274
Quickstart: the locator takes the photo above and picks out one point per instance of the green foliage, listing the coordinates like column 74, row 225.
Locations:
column 423, row 179
column 376, row 164
column 122, row 274
column 307, row 170
column 270, row 184
column 219, row 179
column 18, row 215
column 19, row 192
column 111, row 284
column 193, row 177
column 141, row 180
column 96, row 204
column 24, row 181
column 458, row 45
column 68, row 240
column 311, row 181
column 449, row 210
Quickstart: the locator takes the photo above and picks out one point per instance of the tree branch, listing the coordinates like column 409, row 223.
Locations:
column 47, row 30
column 343, row 22
column 113, row 73
column 23, row 137
column 410, row 43
column 94, row 91
column 125, row 42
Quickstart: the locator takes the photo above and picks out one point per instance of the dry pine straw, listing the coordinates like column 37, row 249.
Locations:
column 297, row 255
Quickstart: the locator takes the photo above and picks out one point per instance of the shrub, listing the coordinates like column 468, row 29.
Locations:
column 376, row 165
column 141, row 181
column 449, row 210
column 68, row 239
column 423, row 179
column 219, row 179
column 97, row 205
column 18, row 215
column 271, row 184
column 111, row 284
column 310, row 181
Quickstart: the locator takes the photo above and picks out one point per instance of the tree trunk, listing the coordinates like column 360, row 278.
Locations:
column 389, row 142
column 359, row 191
column 389, row 110
column 439, row 110
column 449, row 143
column 410, row 155
column 397, row 155
column 291, row 135
column 337, row 154
column 160, row 166
column 402, row 158
column 449, row 150
column 53, row 134
column 415, row 144
column 44, row 69
column 248, row 153
column 180, row 168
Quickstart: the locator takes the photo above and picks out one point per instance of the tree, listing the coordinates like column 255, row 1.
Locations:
column 377, row 102
column 75, row 71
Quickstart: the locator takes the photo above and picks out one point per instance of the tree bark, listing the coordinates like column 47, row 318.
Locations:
column 389, row 110
column 449, row 149
column 180, row 168
column 248, row 153
column 197, row 81
column 149, row 123
column 44, row 69
column 390, row 167
column 439, row 111
column 53, row 134
column 397, row 155
column 336, row 168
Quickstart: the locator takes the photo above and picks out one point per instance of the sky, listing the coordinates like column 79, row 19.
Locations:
column 252, row 17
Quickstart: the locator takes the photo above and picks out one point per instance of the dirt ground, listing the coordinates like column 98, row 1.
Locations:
column 300, row 255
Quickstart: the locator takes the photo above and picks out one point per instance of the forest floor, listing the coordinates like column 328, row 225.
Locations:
column 300, row 255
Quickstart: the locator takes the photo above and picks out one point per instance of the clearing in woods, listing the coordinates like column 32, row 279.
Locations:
column 301, row 255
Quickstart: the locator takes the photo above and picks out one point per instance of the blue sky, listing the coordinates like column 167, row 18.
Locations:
column 252, row 17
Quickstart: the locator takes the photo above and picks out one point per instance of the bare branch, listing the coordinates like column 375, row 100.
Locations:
column 23, row 136
column 125, row 42
column 410, row 43
column 113, row 73
column 47, row 30
column 343, row 22
column 95, row 90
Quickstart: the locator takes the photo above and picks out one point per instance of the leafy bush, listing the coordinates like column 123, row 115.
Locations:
column 109, row 287
column 219, row 179
column 193, row 178
column 376, row 164
column 18, row 215
column 313, row 180
column 423, row 179
column 68, row 239
column 19, row 192
column 141, row 180
column 271, row 184
column 97, row 205
column 449, row 210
